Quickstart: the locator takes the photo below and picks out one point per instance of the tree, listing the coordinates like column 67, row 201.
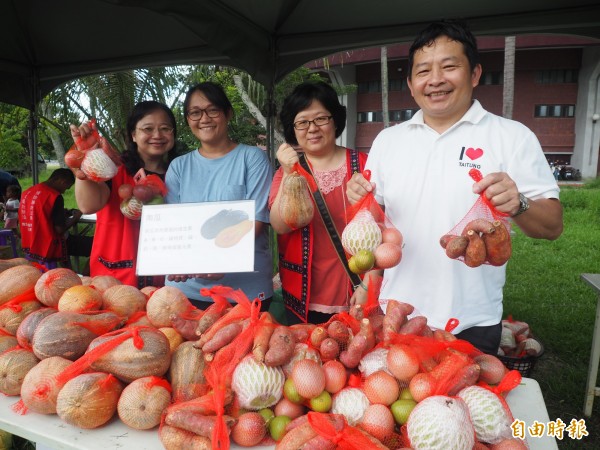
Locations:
column 508, row 90
column 384, row 88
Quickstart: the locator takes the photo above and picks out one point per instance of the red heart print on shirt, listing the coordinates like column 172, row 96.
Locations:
column 474, row 153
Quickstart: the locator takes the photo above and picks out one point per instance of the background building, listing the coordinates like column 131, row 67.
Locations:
column 556, row 93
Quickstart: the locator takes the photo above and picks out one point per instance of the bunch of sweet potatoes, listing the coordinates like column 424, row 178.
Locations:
column 481, row 241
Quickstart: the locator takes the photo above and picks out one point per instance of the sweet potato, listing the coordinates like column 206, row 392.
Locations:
column 296, row 437
column 281, row 347
column 173, row 438
column 195, row 422
column 329, row 349
column 231, row 315
column 414, row 325
column 392, row 321
column 222, row 337
column 443, row 335
column 466, row 376
column 260, row 344
column 339, row 331
column 445, row 239
column 457, row 247
column 357, row 347
column 475, row 254
column 492, row 370
column 498, row 244
column 317, row 336
column 366, row 330
column 357, row 311
column 186, row 327
column 482, row 226
column 302, row 331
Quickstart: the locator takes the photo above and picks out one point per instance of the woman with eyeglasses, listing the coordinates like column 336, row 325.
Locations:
column 314, row 282
column 222, row 170
column 151, row 136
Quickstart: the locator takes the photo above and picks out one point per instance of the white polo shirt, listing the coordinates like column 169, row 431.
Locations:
column 422, row 180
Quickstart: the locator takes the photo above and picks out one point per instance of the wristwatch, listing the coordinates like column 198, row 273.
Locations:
column 523, row 205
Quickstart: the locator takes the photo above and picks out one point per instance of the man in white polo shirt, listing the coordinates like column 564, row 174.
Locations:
column 420, row 175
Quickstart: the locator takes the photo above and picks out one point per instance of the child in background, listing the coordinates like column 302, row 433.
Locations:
column 11, row 208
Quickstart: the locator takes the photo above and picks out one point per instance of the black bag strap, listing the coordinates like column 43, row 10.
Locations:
column 329, row 225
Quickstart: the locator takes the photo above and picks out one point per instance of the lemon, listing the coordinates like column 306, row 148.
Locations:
column 364, row 260
column 352, row 266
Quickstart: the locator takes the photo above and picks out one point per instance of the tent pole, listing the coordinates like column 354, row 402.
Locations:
column 32, row 136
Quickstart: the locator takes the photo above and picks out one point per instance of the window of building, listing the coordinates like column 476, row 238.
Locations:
column 397, row 84
column 365, row 87
column 370, row 116
column 402, row 115
column 491, row 78
column 556, row 76
column 554, row 110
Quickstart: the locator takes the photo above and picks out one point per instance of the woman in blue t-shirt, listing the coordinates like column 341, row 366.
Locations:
column 222, row 170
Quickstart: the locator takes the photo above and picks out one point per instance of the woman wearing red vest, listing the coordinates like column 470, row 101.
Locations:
column 315, row 284
column 151, row 135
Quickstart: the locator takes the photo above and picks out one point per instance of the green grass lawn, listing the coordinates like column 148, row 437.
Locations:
column 545, row 290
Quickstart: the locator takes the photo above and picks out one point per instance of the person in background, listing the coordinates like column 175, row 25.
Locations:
column 6, row 179
column 451, row 134
column 11, row 208
column 151, row 135
column 222, row 170
column 312, row 119
column 44, row 221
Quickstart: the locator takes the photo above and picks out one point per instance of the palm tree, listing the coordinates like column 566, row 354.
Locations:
column 384, row 88
column 508, row 91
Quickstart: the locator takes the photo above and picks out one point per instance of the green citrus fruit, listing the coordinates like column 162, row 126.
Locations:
column 291, row 393
column 401, row 409
column 277, row 426
column 267, row 414
column 364, row 260
column 352, row 266
column 405, row 394
column 321, row 403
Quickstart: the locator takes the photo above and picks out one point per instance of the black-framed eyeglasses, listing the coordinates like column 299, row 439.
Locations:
column 196, row 114
column 149, row 131
column 318, row 121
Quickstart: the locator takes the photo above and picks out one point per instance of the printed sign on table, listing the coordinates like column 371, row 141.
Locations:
column 190, row 238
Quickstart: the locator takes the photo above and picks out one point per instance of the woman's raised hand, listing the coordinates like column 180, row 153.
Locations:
column 287, row 157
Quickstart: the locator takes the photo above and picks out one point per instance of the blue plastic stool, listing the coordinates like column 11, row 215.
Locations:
column 7, row 234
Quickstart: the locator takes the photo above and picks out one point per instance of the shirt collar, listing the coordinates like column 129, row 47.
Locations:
column 474, row 114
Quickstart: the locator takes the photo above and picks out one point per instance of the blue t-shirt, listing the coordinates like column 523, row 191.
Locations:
column 244, row 173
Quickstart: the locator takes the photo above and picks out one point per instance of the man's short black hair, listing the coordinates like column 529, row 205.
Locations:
column 453, row 29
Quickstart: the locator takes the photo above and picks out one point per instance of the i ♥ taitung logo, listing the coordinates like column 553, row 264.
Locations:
column 474, row 153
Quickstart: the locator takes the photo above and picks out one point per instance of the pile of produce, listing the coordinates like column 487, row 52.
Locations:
column 147, row 190
column 94, row 156
column 88, row 349
column 517, row 340
column 481, row 241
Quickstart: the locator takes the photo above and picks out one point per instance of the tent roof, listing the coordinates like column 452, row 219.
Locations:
column 45, row 42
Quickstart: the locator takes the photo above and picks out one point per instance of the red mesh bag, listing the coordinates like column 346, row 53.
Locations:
column 482, row 236
column 322, row 430
column 223, row 362
column 430, row 366
column 370, row 238
column 296, row 205
column 50, row 385
column 94, row 156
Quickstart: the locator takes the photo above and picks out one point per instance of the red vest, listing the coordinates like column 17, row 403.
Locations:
column 295, row 253
column 38, row 238
column 114, row 251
